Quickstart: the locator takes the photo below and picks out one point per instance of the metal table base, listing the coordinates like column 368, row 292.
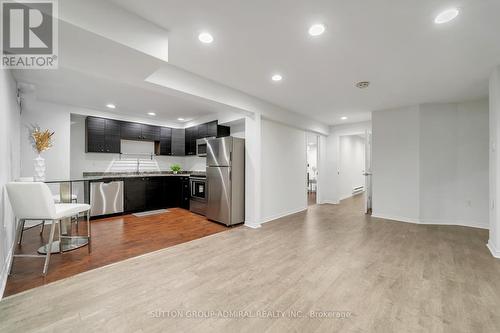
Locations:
column 68, row 244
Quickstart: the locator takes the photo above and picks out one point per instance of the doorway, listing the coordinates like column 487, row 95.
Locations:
column 312, row 168
column 355, row 168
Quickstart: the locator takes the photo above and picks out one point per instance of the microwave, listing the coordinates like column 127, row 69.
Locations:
column 201, row 146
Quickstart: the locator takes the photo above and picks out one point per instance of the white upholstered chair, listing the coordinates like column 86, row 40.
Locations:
column 33, row 201
column 57, row 199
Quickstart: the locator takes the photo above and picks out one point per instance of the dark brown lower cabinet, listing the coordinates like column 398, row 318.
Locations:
column 135, row 194
column 151, row 193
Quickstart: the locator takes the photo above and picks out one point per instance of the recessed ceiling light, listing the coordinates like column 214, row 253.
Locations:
column 151, row 114
column 277, row 77
column 206, row 38
column 180, row 119
column 316, row 29
column 111, row 106
column 446, row 16
column 343, row 118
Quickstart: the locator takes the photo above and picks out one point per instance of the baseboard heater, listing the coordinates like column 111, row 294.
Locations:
column 358, row 189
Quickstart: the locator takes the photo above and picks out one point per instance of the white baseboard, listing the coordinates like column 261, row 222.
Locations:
column 471, row 224
column 329, row 202
column 395, row 218
column 5, row 272
column 253, row 226
column 494, row 251
column 280, row 215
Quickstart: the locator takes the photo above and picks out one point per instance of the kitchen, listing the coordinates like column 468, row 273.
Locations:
column 148, row 186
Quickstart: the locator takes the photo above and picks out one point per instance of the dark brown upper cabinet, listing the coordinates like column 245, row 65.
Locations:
column 206, row 130
column 102, row 135
column 131, row 131
column 135, row 131
column 178, row 142
column 165, row 141
column 150, row 132
column 105, row 135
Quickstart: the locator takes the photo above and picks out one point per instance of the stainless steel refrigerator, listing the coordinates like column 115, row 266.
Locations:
column 226, row 180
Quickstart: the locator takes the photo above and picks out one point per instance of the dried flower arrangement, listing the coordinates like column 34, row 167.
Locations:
column 41, row 140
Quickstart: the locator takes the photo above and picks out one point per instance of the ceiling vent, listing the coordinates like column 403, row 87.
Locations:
column 362, row 84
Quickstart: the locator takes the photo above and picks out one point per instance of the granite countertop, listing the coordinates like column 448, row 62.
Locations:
column 144, row 174
column 96, row 176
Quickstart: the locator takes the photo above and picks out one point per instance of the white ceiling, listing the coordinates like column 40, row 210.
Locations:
column 77, row 89
column 392, row 43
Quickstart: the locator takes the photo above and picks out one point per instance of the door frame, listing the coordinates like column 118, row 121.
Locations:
column 318, row 167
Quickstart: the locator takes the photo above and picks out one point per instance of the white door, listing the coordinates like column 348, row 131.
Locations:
column 368, row 172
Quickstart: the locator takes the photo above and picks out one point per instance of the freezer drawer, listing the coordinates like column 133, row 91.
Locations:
column 106, row 198
column 219, row 194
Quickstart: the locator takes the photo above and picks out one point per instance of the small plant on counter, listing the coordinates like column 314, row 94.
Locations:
column 176, row 168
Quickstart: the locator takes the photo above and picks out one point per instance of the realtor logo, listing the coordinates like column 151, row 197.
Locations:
column 29, row 34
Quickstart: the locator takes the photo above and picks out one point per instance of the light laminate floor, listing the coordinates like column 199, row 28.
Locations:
column 383, row 276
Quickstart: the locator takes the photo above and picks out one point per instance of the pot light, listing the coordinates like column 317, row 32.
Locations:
column 343, row 118
column 277, row 77
column 316, row 30
column 151, row 114
column 111, row 106
column 206, row 38
column 446, row 16
column 180, row 119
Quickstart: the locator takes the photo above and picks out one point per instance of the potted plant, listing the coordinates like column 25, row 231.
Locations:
column 41, row 141
column 176, row 168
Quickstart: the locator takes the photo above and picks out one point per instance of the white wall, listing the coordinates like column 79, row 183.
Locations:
column 55, row 118
column 253, row 170
column 283, row 170
column 395, row 164
column 430, row 164
column 352, row 164
column 9, row 167
column 494, row 163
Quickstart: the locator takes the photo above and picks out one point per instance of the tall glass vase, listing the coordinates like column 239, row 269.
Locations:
column 39, row 169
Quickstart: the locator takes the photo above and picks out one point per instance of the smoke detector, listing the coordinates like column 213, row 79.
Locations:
column 363, row 84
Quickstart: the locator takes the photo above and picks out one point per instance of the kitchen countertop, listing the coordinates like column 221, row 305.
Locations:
column 97, row 176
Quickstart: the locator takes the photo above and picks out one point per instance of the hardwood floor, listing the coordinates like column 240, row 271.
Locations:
column 113, row 239
column 361, row 274
column 311, row 198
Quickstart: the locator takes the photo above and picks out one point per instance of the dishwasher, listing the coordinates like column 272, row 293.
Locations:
column 106, row 198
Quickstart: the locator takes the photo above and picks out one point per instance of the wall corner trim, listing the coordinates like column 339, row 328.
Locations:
column 494, row 251
column 5, row 272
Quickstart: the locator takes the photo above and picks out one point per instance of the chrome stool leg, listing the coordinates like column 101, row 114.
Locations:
column 43, row 226
column 49, row 246
column 88, row 228
column 21, row 231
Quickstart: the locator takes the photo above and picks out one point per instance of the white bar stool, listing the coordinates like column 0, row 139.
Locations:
column 56, row 198
column 33, row 201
